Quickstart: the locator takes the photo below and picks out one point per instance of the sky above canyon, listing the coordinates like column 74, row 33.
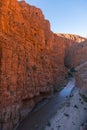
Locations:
column 65, row 16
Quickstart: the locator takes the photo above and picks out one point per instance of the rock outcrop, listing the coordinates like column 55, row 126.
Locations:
column 72, row 37
column 77, row 59
column 31, row 60
column 81, row 76
column 77, row 54
column 81, row 62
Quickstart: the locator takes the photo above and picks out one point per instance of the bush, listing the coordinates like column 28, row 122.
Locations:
column 83, row 97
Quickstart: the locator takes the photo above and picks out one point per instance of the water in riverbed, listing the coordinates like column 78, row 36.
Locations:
column 40, row 116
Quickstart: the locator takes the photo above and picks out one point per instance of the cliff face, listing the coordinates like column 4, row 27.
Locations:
column 77, row 54
column 81, row 76
column 72, row 37
column 31, row 60
column 73, row 50
column 29, row 65
column 77, row 58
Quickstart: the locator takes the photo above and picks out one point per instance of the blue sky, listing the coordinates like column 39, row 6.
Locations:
column 65, row 16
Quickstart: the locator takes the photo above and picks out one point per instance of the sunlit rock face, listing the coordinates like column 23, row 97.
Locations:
column 72, row 37
column 31, row 60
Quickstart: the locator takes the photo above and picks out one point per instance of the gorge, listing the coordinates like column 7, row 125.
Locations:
column 33, row 60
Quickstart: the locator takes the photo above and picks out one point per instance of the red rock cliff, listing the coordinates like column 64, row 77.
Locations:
column 31, row 60
column 77, row 54
column 77, row 58
column 72, row 37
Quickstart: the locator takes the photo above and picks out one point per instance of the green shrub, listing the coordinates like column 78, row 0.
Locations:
column 48, row 123
column 65, row 114
column 76, row 106
column 83, row 97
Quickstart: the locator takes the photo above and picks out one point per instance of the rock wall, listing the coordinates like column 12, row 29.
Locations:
column 72, row 37
column 31, row 60
column 77, row 54
column 77, row 58
column 81, row 76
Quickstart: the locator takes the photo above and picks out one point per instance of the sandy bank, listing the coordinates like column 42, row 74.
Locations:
column 72, row 115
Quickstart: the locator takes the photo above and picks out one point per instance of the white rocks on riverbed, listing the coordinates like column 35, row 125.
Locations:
column 72, row 115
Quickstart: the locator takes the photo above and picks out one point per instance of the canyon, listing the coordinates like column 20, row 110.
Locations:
column 33, row 60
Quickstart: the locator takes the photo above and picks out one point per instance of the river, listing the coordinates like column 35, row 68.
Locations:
column 39, row 117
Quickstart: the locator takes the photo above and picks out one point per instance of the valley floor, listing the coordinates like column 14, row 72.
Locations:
column 66, row 110
column 45, row 110
column 72, row 115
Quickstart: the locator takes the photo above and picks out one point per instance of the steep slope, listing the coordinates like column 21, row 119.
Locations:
column 77, row 54
column 31, row 60
column 77, row 58
column 29, row 65
column 81, row 75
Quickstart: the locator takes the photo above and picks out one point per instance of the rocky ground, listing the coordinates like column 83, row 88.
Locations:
column 45, row 110
column 72, row 115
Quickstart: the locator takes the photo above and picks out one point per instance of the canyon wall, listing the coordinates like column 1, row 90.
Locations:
column 81, row 76
column 31, row 60
column 76, row 58
column 77, row 54
column 72, row 37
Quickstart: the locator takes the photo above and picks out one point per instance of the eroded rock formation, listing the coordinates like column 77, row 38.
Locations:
column 77, row 58
column 31, row 60
column 77, row 54
column 72, row 37
column 81, row 76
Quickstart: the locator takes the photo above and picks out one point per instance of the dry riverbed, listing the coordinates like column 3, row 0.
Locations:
column 66, row 110
column 45, row 110
column 72, row 115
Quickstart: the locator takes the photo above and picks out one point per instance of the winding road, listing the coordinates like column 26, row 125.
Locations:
column 40, row 116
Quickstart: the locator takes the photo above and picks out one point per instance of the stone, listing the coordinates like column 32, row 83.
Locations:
column 77, row 54
column 84, row 127
column 31, row 60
